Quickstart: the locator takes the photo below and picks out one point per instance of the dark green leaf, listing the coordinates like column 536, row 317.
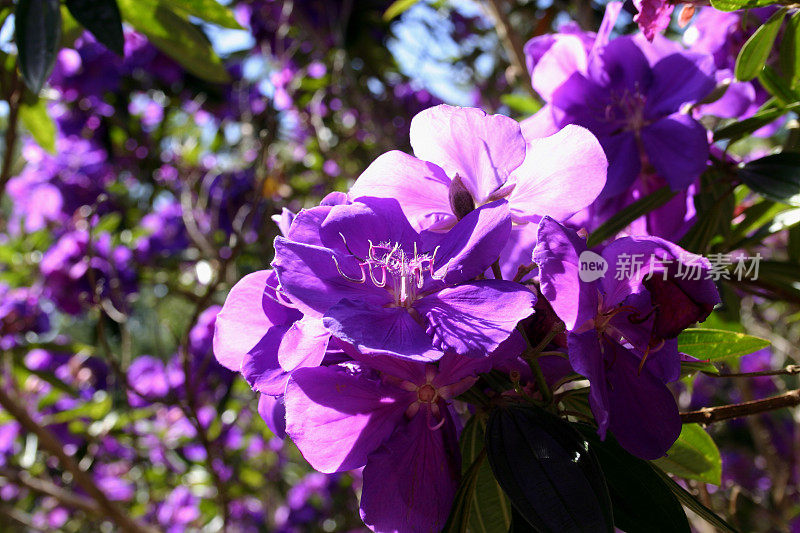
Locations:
column 38, row 32
column 689, row 368
column 621, row 220
column 756, row 50
column 36, row 119
column 775, row 176
column 102, row 18
column 715, row 204
column 789, row 55
column 458, row 520
column 691, row 502
column 397, row 8
column 547, row 470
column 716, row 344
column 733, row 5
column 641, row 500
column 693, row 456
column 207, row 10
column 491, row 510
column 175, row 37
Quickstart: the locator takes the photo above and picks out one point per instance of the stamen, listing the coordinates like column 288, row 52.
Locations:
column 345, row 276
column 382, row 283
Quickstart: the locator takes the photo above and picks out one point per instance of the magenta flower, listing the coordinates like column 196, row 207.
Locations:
column 390, row 416
column 628, row 93
column 382, row 287
column 622, row 328
column 464, row 158
column 653, row 16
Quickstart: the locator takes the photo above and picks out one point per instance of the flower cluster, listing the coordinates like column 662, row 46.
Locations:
column 387, row 303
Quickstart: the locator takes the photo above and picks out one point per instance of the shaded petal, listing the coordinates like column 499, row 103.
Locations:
column 273, row 411
column 410, row 482
column 248, row 313
column 586, row 357
column 306, row 225
column 304, row 344
column 607, row 25
column 678, row 79
column 738, row 99
column 482, row 149
column 420, row 188
column 374, row 329
column 583, row 102
column 350, row 228
column 557, row 254
column 468, row 249
column 677, row 147
column 561, row 175
column 621, row 66
column 542, row 123
column 519, row 249
column 625, row 163
column 644, row 415
column 260, row 365
column 337, row 418
column 474, row 318
column 309, row 275
column 565, row 56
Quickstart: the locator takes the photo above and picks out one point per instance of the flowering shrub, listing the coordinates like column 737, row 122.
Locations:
column 399, row 266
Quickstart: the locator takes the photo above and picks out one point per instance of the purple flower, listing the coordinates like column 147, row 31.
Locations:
column 653, row 16
column 179, row 510
column 379, row 285
column 622, row 327
column 20, row 313
column 629, row 93
column 465, row 158
column 392, row 417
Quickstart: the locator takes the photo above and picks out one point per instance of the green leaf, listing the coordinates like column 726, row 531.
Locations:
column 176, row 37
column 524, row 105
column 777, row 86
column 458, row 520
column 775, row 176
column 491, row 510
column 756, row 50
column 691, row 502
column 716, row 344
column 733, row 5
column 693, row 456
column 738, row 129
column 689, row 368
column 38, row 32
column 620, row 221
column 397, row 8
column 96, row 409
column 715, row 205
column 789, row 54
column 207, row 10
column 547, row 470
column 102, row 18
column 36, row 119
column 642, row 501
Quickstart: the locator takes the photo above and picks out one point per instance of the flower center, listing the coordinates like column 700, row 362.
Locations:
column 388, row 266
column 426, row 393
column 627, row 111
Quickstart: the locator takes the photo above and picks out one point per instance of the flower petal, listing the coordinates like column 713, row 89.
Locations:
column 677, row 146
column 566, row 55
column 474, row 318
column 260, row 365
column 678, row 79
column 420, row 188
column 482, row 149
column 304, row 344
column 625, row 163
column 374, row 329
column 273, row 411
column 561, row 175
column 337, row 418
column 410, row 482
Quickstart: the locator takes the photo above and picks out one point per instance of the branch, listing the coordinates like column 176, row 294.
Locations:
column 786, row 371
column 512, row 44
column 49, row 442
column 14, row 97
column 49, row 489
column 709, row 415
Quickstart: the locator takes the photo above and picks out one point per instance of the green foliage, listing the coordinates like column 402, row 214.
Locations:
column 637, row 209
column 176, row 37
column 38, row 32
column 397, row 8
column 693, row 504
column 716, row 344
column 775, row 176
column 734, row 5
column 207, row 10
column 756, row 50
column 789, row 55
column 102, row 18
column 693, row 456
column 34, row 116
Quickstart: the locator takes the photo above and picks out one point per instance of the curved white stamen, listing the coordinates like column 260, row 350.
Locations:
column 345, row 276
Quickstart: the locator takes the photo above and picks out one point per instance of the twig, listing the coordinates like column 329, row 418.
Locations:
column 49, row 442
column 512, row 44
column 709, row 415
column 14, row 97
column 49, row 489
column 786, row 371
